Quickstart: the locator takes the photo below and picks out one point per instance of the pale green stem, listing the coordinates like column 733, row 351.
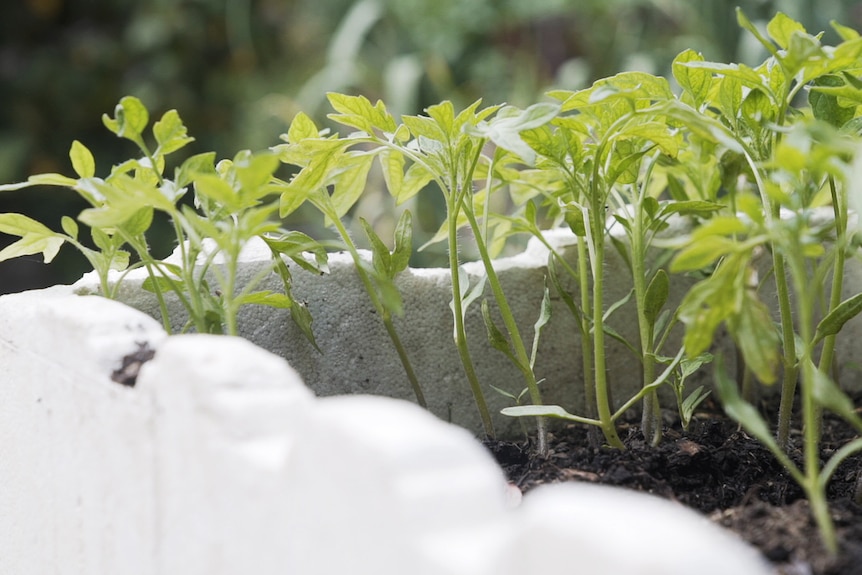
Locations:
column 511, row 326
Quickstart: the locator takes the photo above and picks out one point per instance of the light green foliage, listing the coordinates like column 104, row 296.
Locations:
column 738, row 153
column 231, row 211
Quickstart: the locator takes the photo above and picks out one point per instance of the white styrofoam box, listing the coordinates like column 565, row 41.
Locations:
column 76, row 452
column 357, row 356
column 219, row 461
column 587, row 528
column 228, row 417
column 376, row 479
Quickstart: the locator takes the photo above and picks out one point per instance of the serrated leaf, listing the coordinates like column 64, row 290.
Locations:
column 171, row 134
column 392, row 166
column 35, row 238
column 359, row 113
column 139, row 222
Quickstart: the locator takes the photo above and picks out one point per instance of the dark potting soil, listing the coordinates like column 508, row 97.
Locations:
column 719, row 470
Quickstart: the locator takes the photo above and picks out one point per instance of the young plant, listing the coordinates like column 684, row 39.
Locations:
column 231, row 213
column 604, row 153
column 443, row 147
column 795, row 159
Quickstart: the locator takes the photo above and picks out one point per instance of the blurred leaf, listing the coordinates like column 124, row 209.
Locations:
column 130, row 119
column 82, row 160
column 835, row 319
column 656, row 296
column 35, row 238
column 170, row 133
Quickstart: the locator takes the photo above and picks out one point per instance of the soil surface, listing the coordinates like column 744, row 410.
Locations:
column 718, row 470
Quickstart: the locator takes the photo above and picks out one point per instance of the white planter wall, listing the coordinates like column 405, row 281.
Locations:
column 220, row 461
column 357, row 356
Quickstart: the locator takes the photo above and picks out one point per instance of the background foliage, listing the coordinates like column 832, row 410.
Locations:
column 239, row 70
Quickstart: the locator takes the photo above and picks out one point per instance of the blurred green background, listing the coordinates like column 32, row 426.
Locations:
column 239, row 70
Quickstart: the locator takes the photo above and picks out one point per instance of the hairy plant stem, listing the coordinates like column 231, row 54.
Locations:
column 453, row 201
column 814, row 487
column 595, row 222
column 509, row 321
column 587, row 350
column 839, row 209
column 651, row 415
column 788, row 339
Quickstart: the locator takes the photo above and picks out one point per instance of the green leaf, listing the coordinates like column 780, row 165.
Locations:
column 746, row 24
column 541, row 322
column 302, row 127
column 781, row 29
column 357, row 112
column 825, row 106
column 403, row 248
column 218, row 190
column 254, row 172
column 827, row 393
column 170, row 133
column 381, row 258
column 130, row 119
column 69, row 226
column 267, row 298
column 496, row 337
column 350, row 183
column 755, row 335
column 701, row 253
column 193, row 167
column 656, row 296
column 695, row 81
column 847, row 34
column 139, row 222
column 415, row 180
column 554, row 411
column 689, row 208
column 82, row 160
column 835, row 319
column 35, row 238
column 51, row 180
